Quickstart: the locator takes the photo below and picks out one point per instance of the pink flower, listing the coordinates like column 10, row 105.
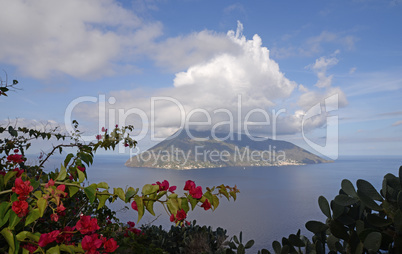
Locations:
column 66, row 235
column 50, row 183
column 189, row 185
column 54, row 217
column 206, row 205
column 20, row 208
column 98, row 137
column 22, row 188
column 87, row 225
column 181, row 215
column 30, row 247
column 196, row 192
column 15, row 158
column 134, row 206
column 110, row 245
column 19, row 171
column 45, row 239
column 81, row 168
column 164, row 186
column 91, row 242
column 131, row 224
column 103, row 129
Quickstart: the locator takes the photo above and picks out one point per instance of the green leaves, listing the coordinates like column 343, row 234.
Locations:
column 81, row 176
column 63, row 173
column 32, row 216
column 149, row 189
column 42, row 204
column 9, row 236
column 140, row 207
column 90, row 191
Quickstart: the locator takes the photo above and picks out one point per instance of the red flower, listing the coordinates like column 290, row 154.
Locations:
column 19, row 171
column 196, row 192
column 2, row 172
column 66, row 235
column 16, row 150
column 22, row 188
column 60, row 208
column 91, row 242
column 87, row 225
column 54, row 217
column 206, row 205
column 103, row 129
column 81, row 168
column 50, row 183
column 15, row 158
column 189, row 185
column 172, row 188
column 164, row 186
column 45, row 239
column 30, row 247
column 131, row 224
column 110, row 245
column 134, row 206
column 98, row 137
column 172, row 217
column 181, row 215
column 20, row 208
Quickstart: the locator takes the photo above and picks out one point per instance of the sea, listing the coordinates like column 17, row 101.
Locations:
column 273, row 201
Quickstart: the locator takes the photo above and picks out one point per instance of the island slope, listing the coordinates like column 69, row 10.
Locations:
column 201, row 150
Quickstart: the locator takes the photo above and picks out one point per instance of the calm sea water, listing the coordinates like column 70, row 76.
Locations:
column 273, row 201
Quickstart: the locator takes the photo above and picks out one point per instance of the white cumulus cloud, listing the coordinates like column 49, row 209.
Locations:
column 240, row 85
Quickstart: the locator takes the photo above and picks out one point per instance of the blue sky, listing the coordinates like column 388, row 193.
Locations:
column 288, row 55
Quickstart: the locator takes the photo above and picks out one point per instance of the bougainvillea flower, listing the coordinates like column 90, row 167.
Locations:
column 189, row 185
column 206, row 205
column 196, row 192
column 20, row 208
column 134, row 206
column 110, row 245
column 181, row 215
column 19, row 172
column 81, row 168
column 54, row 217
column 131, row 224
column 30, row 247
column 87, row 225
column 91, row 242
column 22, row 188
column 45, row 239
column 15, row 158
column 50, row 183
column 66, row 235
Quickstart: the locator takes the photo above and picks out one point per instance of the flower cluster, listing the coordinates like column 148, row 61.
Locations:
column 15, row 158
column 180, row 216
column 22, row 189
column 131, row 228
column 91, row 242
column 164, row 186
column 54, row 195
column 195, row 191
